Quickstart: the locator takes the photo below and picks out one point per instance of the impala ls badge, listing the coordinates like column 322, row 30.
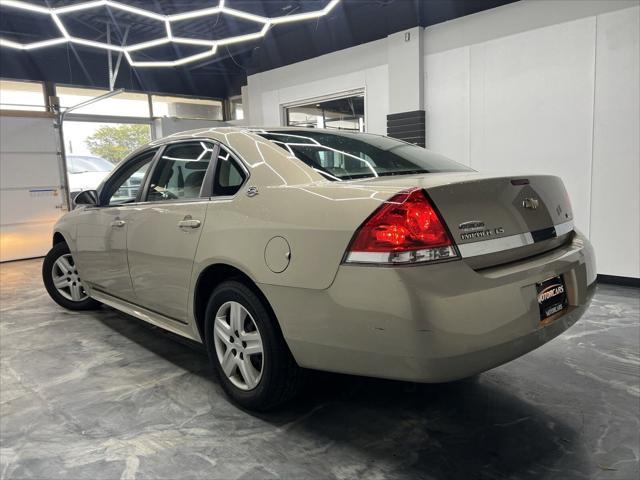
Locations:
column 531, row 203
column 471, row 225
column 477, row 229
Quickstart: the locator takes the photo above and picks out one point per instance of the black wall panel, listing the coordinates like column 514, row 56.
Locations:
column 408, row 126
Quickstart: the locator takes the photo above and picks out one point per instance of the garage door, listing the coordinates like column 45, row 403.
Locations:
column 31, row 196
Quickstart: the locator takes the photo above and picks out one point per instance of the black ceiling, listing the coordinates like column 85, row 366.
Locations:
column 351, row 22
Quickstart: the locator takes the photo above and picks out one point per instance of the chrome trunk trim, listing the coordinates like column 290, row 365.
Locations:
column 485, row 247
column 564, row 228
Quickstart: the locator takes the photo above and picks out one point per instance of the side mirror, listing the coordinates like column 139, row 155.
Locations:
column 87, row 197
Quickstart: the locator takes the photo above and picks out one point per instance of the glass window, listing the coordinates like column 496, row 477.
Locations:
column 125, row 187
column 180, row 172
column 347, row 156
column 237, row 112
column 184, row 107
column 21, row 96
column 111, row 141
column 229, row 175
column 93, row 149
column 340, row 114
column 125, row 104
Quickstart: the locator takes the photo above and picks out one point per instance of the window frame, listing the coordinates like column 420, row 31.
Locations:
column 45, row 108
column 154, row 114
column 354, row 92
column 208, row 176
column 236, row 159
column 120, row 171
column 95, row 117
column 206, row 191
column 232, row 102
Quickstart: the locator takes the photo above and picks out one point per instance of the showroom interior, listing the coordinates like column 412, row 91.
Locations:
column 524, row 87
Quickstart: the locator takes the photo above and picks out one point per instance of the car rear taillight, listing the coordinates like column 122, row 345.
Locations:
column 405, row 229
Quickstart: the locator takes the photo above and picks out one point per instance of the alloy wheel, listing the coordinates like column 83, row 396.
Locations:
column 238, row 345
column 66, row 279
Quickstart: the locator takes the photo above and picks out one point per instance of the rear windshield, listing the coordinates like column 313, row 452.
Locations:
column 348, row 156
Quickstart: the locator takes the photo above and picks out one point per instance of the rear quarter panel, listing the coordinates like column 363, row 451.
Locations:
column 318, row 224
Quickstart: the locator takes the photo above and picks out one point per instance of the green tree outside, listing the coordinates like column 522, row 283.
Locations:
column 115, row 143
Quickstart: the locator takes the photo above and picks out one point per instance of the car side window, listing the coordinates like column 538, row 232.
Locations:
column 124, row 188
column 180, row 172
column 229, row 176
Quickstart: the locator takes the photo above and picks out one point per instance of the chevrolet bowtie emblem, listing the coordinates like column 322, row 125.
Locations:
column 530, row 203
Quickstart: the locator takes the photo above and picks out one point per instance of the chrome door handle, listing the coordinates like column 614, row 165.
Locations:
column 118, row 223
column 189, row 223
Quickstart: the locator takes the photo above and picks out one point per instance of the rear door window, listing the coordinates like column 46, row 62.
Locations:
column 180, row 172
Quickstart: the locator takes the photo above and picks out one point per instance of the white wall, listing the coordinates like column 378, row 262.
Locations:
column 615, row 194
column 447, row 103
column 531, row 106
column 406, row 86
column 537, row 86
column 559, row 99
column 364, row 66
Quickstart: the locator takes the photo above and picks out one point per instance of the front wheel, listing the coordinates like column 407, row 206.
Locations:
column 247, row 350
column 61, row 279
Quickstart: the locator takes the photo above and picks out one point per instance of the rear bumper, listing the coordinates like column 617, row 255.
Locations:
column 430, row 323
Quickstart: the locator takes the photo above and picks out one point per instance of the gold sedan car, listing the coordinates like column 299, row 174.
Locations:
column 290, row 249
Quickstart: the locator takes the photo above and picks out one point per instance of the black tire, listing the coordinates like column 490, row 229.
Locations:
column 58, row 250
column 281, row 377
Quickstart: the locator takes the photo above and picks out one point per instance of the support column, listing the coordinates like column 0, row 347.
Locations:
column 406, row 119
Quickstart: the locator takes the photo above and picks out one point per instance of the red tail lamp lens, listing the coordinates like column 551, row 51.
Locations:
column 407, row 221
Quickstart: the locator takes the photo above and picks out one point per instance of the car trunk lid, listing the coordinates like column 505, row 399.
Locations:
column 496, row 219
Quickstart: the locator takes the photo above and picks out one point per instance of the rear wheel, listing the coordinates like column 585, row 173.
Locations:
column 247, row 350
column 62, row 281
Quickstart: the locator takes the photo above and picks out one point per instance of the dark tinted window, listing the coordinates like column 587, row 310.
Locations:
column 229, row 175
column 347, row 156
column 180, row 172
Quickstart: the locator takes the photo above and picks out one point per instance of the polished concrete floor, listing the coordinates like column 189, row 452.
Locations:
column 101, row 395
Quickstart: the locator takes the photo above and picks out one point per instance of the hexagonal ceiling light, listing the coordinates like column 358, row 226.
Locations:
column 56, row 13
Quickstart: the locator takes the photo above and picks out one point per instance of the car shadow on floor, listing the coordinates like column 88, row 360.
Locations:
column 482, row 427
column 474, row 428
column 186, row 354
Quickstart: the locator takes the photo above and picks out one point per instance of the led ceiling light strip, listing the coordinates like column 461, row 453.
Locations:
column 172, row 63
column 55, row 13
column 149, row 44
column 194, row 14
column 25, row 6
column 244, row 38
column 297, row 17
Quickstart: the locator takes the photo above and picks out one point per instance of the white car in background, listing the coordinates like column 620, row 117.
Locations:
column 86, row 172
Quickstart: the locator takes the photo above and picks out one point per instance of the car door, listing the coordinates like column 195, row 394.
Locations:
column 164, row 230
column 101, row 235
